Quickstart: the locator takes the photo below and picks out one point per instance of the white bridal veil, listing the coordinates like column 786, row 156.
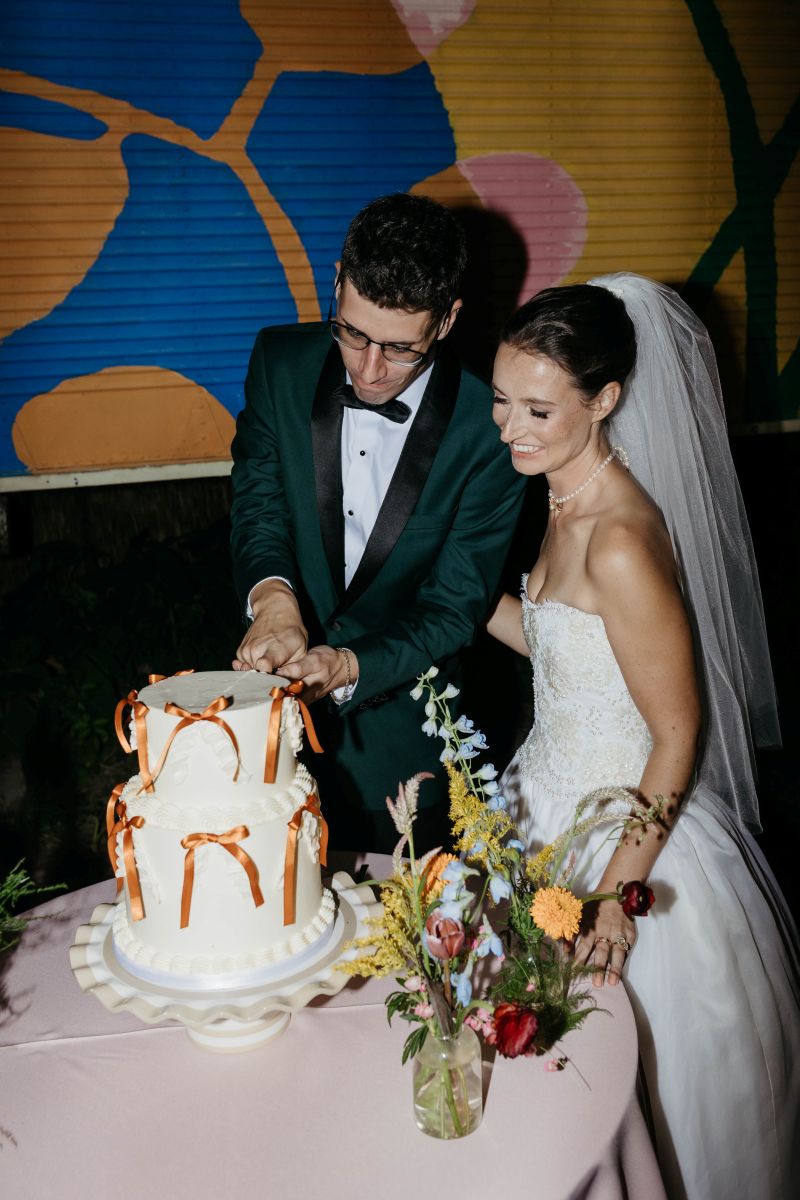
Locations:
column 671, row 421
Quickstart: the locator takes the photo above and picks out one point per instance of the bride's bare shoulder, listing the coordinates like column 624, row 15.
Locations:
column 630, row 541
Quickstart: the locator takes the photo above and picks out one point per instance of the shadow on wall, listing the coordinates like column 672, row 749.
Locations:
column 496, row 269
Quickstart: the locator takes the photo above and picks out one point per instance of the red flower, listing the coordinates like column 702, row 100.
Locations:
column 636, row 898
column 515, row 1028
column 446, row 937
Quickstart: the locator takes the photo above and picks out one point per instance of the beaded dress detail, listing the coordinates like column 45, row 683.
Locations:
column 588, row 732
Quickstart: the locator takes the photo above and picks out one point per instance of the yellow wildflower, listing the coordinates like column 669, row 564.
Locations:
column 556, row 911
column 536, row 868
column 473, row 822
column 392, row 940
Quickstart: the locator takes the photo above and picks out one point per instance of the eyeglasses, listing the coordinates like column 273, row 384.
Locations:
column 354, row 339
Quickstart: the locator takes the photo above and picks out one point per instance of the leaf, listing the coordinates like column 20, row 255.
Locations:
column 414, row 1043
column 397, row 1002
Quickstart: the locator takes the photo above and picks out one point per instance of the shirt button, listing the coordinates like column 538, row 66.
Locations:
column 349, row 512
column 362, row 453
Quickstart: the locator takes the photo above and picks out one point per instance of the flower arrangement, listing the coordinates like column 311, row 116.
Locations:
column 436, row 923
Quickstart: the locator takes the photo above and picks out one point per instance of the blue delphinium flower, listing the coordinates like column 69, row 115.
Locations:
column 488, row 942
column 500, row 888
column 463, row 987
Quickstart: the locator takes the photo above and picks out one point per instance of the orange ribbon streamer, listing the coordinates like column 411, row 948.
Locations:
column 140, row 711
column 227, row 841
column 274, row 727
column 117, row 822
column 115, row 811
column 290, row 864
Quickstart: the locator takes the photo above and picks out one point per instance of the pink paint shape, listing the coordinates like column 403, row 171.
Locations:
column 429, row 22
column 543, row 203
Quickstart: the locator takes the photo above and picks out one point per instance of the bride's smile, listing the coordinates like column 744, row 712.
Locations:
column 548, row 424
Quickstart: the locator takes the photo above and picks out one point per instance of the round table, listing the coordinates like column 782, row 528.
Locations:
column 96, row 1103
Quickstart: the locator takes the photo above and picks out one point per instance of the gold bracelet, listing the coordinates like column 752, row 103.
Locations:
column 343, row 650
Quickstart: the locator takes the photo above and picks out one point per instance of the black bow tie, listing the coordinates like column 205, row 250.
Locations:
column 393, row 410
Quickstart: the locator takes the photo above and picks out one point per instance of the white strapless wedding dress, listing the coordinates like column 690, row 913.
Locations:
column 713, row 977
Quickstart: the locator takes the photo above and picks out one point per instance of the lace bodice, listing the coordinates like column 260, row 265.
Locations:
column 587, row 733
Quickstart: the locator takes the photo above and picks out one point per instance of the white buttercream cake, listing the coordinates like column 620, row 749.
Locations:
column 211, row 840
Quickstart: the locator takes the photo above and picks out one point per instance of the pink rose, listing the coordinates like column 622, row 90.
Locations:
column 423, row 1010
column 446, row 937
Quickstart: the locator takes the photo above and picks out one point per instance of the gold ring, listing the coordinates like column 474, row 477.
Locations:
column 622, row 941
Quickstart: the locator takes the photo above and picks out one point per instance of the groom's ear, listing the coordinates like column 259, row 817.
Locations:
column 449, row 320
column 606, row 400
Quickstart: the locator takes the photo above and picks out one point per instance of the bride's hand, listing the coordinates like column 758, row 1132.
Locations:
column 603, row 938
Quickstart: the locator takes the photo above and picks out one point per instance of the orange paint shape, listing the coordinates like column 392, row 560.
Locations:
column 54, row 217
column 122, row 417
column 365, row 37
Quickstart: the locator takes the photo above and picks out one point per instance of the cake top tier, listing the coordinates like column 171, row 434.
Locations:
column 247, row 689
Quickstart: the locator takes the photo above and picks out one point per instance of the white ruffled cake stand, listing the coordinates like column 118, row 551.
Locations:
column 224, row 1020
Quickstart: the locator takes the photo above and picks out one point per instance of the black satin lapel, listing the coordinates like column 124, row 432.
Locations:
column 326, row 443
column 424, row 437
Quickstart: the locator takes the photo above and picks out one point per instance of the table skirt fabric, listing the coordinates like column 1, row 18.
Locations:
column 94, row 1102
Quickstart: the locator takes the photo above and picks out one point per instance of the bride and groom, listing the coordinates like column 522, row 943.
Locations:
column 373, row 506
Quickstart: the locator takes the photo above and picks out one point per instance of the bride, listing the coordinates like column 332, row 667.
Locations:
column 642, row 617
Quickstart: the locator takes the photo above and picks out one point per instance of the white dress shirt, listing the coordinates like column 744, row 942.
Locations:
column 371, row 449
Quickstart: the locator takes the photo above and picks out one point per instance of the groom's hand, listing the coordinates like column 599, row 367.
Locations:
column 277, row 635
column 322, row 670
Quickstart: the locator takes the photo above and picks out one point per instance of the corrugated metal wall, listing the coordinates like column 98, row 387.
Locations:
column 175, row 175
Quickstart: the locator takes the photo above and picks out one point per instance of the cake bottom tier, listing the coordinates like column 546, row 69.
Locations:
column 247, row 968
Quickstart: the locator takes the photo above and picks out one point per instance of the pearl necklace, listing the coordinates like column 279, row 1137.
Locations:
column 556, row 503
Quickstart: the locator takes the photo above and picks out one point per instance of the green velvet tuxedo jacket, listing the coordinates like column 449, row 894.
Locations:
column 429, row 570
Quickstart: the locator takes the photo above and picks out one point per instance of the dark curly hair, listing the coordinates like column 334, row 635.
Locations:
column 405, row 252
column 582, row 328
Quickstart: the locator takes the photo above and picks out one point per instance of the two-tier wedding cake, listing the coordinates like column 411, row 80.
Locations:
column 216, row 842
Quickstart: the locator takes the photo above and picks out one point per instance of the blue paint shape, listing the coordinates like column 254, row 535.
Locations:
column 185, row 280
column 47, row 116
column 326, row 143
column 184, row 61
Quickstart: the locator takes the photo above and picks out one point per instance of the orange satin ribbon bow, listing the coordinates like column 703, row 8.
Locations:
column 117, row 822
column 140, row 711
column 226, row 840
column 274, row 727
column 160, row 678
column 188, row 718
column 290, row 864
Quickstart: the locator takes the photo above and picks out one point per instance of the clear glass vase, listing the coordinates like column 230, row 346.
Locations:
column 448, row 1090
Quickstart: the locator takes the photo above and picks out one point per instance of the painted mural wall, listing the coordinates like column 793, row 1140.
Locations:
column 175, row 175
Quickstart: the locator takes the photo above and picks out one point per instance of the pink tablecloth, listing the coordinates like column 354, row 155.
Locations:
column 98, row 1104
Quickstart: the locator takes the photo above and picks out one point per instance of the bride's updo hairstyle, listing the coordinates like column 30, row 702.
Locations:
column 584, row 329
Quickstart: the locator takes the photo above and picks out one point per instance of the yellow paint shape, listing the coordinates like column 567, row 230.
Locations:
column 65, row 198
column 121, row 417
column 787, row 247
column 622, row 97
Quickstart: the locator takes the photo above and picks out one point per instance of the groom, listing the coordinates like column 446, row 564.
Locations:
column 372, row 510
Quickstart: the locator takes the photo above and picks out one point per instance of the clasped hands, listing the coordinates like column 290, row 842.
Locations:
column 277, row 643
